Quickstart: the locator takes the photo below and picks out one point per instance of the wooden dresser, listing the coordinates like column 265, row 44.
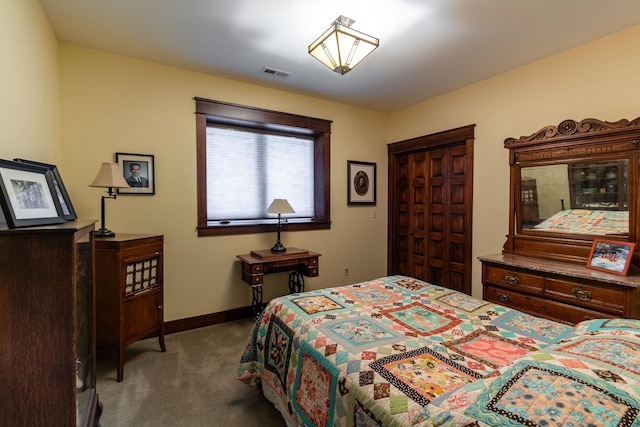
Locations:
column 47, row 340
column 129, row 291
column 587, row 187
column 557, row 290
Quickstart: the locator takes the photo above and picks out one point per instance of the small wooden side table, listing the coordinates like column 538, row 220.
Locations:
column 301, row 262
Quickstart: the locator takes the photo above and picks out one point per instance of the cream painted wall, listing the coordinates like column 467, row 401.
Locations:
column 29, row 100
column 594, row 80
column 113, row 103
column 96, row 104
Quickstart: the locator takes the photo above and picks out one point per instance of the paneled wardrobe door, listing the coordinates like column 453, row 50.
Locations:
column 430, row 208
column 410, row 213
column 449, row 213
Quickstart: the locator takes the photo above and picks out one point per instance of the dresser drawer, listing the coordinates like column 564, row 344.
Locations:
column 541, row 307
column 508, row 298
column 514, row 278
column 610, row 299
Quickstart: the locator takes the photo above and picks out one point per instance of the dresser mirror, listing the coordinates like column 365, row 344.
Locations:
column 572, row 183
column 581, row 197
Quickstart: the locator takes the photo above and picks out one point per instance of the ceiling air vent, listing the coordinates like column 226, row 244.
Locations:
column 273, row 72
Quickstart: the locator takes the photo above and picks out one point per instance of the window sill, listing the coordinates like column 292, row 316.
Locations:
column 217, row 229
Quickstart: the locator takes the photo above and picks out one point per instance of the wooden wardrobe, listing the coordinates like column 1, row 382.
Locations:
column 431, row 206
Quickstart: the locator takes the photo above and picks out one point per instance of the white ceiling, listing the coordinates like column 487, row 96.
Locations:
column 427, row 47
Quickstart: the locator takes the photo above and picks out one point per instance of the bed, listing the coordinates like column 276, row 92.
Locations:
column 587, row 221
column 397, row 351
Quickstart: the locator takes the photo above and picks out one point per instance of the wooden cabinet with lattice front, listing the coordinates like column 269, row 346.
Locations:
column 129, row 291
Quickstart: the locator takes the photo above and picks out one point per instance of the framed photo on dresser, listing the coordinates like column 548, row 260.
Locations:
column 611, row 256
column 68, row 211
column 28, row 196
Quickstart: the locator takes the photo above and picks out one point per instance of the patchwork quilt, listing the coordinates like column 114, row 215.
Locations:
column 397, row 351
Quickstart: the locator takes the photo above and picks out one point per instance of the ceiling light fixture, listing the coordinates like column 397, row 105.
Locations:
column 341, row 48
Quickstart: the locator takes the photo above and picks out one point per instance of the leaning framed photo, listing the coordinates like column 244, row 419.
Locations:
column 139, row 172
column 611, row 256
column 68, row 211
column 361, row 183
column 28, row 196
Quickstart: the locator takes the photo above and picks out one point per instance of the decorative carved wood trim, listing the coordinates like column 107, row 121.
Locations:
column 571, row 128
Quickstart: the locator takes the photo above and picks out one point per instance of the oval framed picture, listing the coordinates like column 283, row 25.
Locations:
column 361, row 183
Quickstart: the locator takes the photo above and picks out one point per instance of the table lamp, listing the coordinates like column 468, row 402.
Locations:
column 109, row 176
column 279, row 206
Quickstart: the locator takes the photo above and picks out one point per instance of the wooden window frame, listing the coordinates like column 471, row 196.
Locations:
column 320, row 129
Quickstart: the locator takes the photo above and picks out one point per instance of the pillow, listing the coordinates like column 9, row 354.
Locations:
column 611, row 326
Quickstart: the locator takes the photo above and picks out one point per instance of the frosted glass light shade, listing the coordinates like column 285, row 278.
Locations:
column 341, row 48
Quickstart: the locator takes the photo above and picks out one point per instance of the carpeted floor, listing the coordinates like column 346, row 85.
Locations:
column 193, row 384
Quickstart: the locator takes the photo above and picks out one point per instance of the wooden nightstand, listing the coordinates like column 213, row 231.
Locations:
column 129, row 291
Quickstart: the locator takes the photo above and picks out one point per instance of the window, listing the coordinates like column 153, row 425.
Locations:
column 249, row 156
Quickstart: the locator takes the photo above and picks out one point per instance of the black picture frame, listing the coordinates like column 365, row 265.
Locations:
column 146, row 165
column 27, row 195
column 68, row 211
column 361, row 183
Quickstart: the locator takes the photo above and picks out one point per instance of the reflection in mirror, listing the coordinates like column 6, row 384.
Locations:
column 580, row 198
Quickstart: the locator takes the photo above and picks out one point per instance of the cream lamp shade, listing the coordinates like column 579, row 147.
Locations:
column 341, row 48
column 279, row 206
column 109, row 176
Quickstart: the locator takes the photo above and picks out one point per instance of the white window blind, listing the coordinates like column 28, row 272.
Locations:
column 247, row 169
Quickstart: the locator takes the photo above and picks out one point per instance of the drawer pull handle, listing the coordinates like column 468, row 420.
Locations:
column 512, row 280
column 581, row 294
column 504, row 298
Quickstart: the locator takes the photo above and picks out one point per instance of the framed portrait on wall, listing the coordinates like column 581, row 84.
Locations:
column 139, row 172
column 361, row 183
column 28, row 196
